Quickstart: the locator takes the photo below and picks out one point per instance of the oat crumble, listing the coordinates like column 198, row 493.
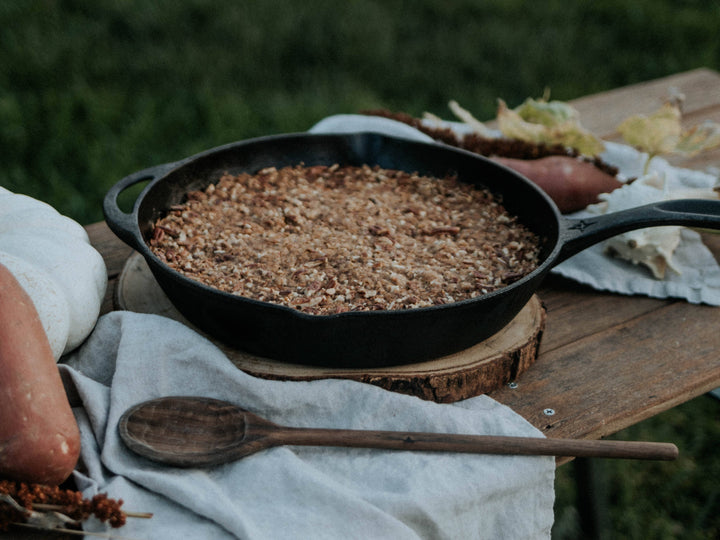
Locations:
column 329, row 239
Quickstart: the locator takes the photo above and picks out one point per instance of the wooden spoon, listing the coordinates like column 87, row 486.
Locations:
column 198, row 432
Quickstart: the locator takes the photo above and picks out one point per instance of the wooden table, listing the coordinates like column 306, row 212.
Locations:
column 606, row 361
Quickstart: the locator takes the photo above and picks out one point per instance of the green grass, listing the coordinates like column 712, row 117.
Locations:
column 652, row 499
column 91, row 91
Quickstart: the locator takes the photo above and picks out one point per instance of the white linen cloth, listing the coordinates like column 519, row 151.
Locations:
column 295, row 492
column 699, row 277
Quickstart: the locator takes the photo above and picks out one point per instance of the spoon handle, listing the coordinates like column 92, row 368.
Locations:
column 481, row 444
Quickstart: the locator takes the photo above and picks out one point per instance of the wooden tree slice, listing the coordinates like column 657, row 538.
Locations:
column 482, row 368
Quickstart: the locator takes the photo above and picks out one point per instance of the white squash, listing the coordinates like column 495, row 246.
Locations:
column 51, row 257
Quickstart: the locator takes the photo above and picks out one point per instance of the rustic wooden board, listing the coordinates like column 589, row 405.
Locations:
column 472, row 372
column 623, row 374
column 603, row 112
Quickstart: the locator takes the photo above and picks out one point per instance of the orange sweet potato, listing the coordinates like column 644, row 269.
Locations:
column 571, row 183
column 39, row 437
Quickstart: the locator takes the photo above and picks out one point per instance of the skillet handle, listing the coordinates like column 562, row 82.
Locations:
column 579, row 234
column 124, row 225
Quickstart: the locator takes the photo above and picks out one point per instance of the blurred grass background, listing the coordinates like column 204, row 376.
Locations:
column 91, row 91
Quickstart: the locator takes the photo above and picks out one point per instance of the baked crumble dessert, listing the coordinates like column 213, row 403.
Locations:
column 330, row 239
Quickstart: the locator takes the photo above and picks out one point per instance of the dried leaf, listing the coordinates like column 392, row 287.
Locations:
column 547, row 113
column 698, row 138
column 467, row 117
column 7, row 499
column 50, row 520
column 548, row 122
column 657, row 133
column 661, row 133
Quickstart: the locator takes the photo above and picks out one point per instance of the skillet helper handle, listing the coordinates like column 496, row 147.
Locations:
column 478, row 444
column 580, row 234
column 122, row 223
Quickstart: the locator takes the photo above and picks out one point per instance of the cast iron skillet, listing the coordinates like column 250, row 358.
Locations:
column 377, row 338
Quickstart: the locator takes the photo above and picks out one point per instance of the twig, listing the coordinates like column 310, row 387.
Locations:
column 59, row 507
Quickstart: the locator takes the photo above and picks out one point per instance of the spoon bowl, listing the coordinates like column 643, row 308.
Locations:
column 187, row 431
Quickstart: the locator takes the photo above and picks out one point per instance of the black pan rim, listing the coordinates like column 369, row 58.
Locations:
column 147, row 253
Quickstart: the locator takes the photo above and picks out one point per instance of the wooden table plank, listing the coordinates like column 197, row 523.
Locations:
column 114, row 253
column 606, row 361
column 631, row 357
column 608, row 380
column 606, row 311
column 603, row 112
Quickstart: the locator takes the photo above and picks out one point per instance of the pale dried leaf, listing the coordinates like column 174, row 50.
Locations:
column 547, row 113
column 50, row 520
column 7, row 499
column 432, row 119
column 467, row 117
column 657, row 133
column 699, row 138
column 549, row 123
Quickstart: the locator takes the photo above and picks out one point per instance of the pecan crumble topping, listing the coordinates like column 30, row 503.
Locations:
column 329, row 239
